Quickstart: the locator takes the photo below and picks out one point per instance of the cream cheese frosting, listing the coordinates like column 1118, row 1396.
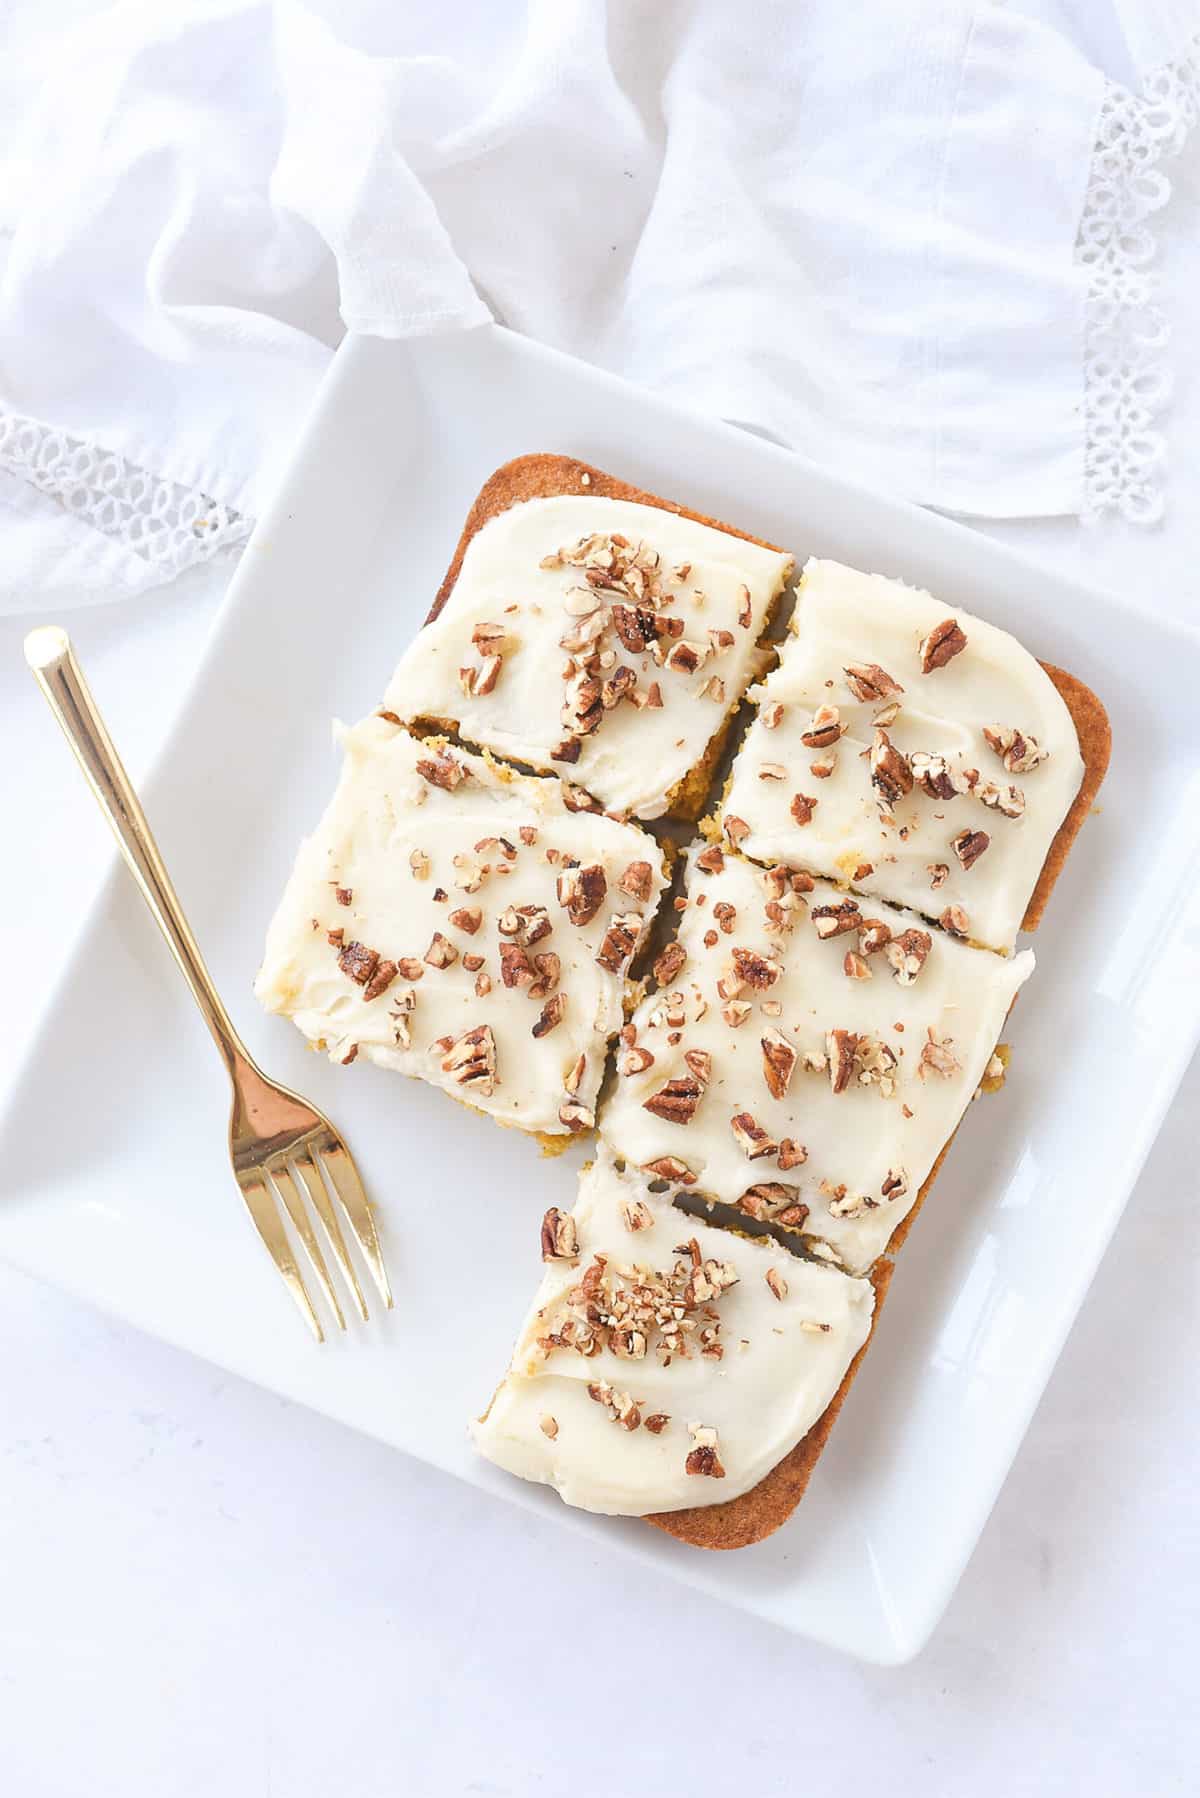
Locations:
column 805, row 1059
column 907, row 749
column 599, row 639
column 456, row 921
column 664, row 1363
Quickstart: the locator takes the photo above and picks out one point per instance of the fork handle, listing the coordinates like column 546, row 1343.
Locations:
column 57, row 672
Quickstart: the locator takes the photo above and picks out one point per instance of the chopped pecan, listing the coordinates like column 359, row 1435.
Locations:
column 420, row 864
column 359, row 962
column 776, row 1283
column 657, row 1423
column 932, row 773
column 873, row 934
column 772, row 771
column 444, row 771
column 574, row 1074
column 969, row 845
column 713, row 688
column 550, row 1016
column 489, row 638
column 712, row 859
column 560, row 1238
column 802, row 807
column 467, row 917
column 1009, row 801
column 636, row 626
column 726, row 916
column 546, row 969
column 548, row 1425
column 895, row 1185
column 835, row 920
column 744, row 611
column 516, row 969
column 772, row 715
column 751, row 1137
column 840, row 1047
column 779, row 1062
column 636, row 1060
column 669, row 1167
column 619, row 941
column 791, row 1153
column 944, row 642
column 566, row 751
column 619, row 685
column 823, row 765
column 955, row 921
column 636, row 1215
column 471, row 1058
column 410, row 967
column 581, row 892
column 576, row 1117
column 381, row 979
column 344, row 895
column 441, row 952
column 939, row 874
column 854, row 967
column 755, row 970
column 670, row 963
column 477, row 682
column 525, row 924
column 638, row 881
column 582, row 709
column 528, row 834
column 736, row 829
column 703, row 1458
column 676, row 1101
column 890, row 772
column 906, row 954
column 936, row 1057
column 825, row 729
column 869, row 682
column 1020, row 754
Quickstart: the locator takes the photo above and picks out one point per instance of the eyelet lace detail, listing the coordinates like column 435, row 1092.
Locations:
column 168, row 526
column 1126, row 384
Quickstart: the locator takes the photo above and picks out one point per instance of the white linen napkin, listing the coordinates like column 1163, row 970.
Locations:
column 853, row 227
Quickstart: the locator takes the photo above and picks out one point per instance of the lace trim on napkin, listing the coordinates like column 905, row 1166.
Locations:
column 167, row 526
column 1126, row 384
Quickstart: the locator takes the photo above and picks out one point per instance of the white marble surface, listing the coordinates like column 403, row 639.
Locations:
column 204, row 1590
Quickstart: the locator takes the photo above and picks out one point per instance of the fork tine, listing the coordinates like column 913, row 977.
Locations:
column 323, row 1206
column 346, row 1183
column 267, row 1221
column 286, row 1188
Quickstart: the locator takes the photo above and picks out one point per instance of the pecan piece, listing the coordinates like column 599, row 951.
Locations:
column 933, row 775
column 776, row 1283
column 618, row 686
column 802, row 807
column 471, row 1058
column 581, row 892
column 638, row 881
column 478, row 682
column 443, row 771
column 869, row 682
column 894, row 1186
column 955, row 922
column 854, row 967
column 547, row 968
column 467, row 917
column 755, row 970
column 516, row 969
column 840, row 1047
column 669, row 1167
column 344, row 895
column 525, row 924
column 1008, row 801
column 779, row 1062
column 969, row 845
column 873, row 934
column 936, row 1057
column 566, row 751
column 381, row 979
column 550, row 1016
column 1019, row 753
column 825, row 729
column 619, row 941
column 676, row 1101
column 657, row 1423
column 943, row 643
column 441, row 952
column 939, row 874
column 835, row 920
column 906, row 954
column 576, row 1117
column 703, row 1458
column 560, row 1238
column 670, row 963
column 890, row 772
column 359, row 962
column 712, row 859
column 751, row 1137
column 636, row 1215
column 791, row 1153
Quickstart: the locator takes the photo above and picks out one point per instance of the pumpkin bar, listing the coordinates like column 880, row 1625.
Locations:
column 665, row 1364
column 600, row 638
column 459, row 922
column 909, row 750
column 808, row 1053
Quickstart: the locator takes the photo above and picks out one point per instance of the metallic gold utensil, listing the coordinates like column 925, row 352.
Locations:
column 282, row 1148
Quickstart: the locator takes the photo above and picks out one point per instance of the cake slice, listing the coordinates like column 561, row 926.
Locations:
column 592, row 631
column 665, row 1364
column 808, row 1054
column 457, row 921
column 909, row 750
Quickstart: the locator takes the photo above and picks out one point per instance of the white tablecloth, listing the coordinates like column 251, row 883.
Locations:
column 204, row 1590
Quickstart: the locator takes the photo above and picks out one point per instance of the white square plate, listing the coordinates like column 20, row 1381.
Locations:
column 134, row 1206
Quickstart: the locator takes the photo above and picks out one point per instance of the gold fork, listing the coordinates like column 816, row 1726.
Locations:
column 274, row 1135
